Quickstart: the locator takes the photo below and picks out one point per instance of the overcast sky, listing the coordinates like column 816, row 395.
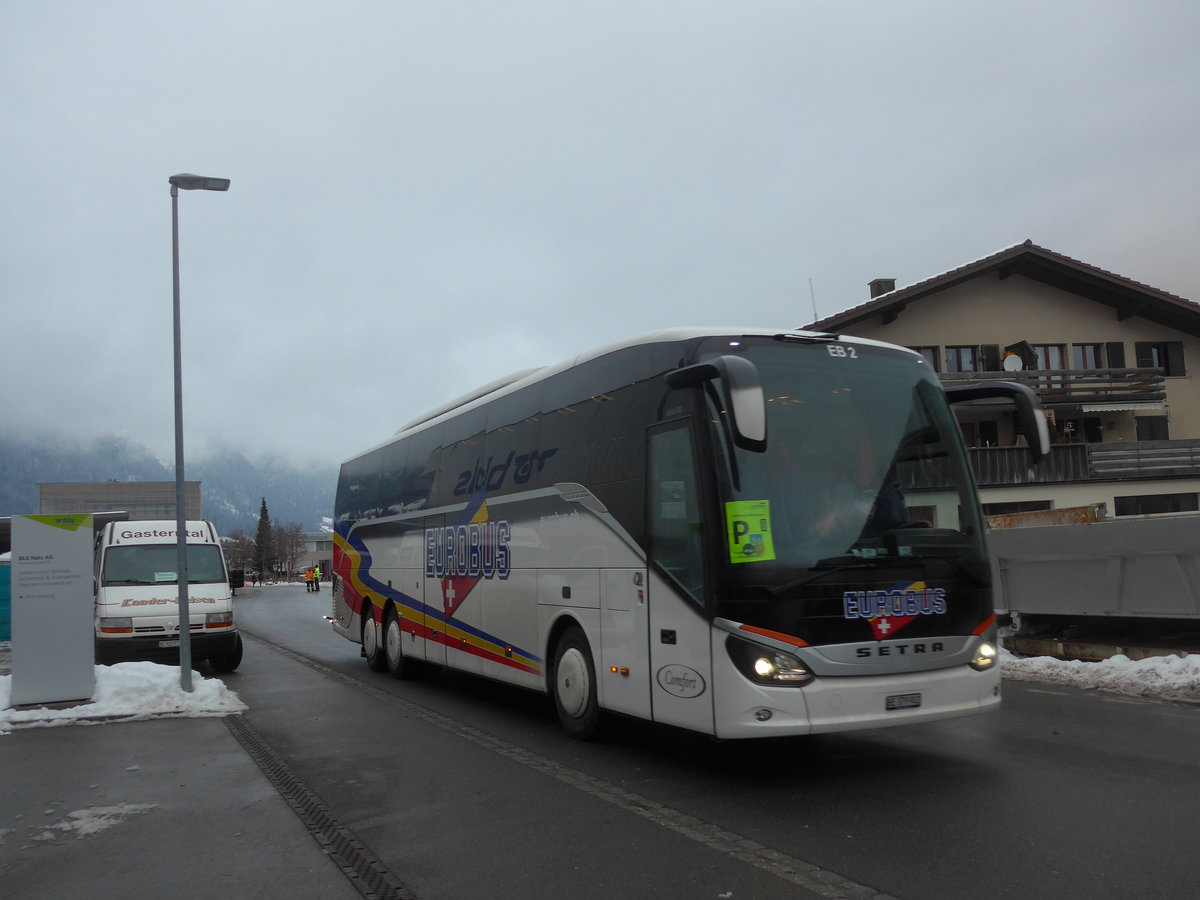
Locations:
column 429, row 195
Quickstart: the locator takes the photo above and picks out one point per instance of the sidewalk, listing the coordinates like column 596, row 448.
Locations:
column 166, row 807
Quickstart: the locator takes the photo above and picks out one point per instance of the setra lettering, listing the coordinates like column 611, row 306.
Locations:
column 900, row 649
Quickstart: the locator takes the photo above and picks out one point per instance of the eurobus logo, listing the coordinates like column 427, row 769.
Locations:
column 460, row 555
column 474, row 550
column 889, row 611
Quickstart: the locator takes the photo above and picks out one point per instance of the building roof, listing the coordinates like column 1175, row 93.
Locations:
column 1126, row 296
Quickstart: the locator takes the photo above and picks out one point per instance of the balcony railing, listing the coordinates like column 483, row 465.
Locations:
column 1072, row 387
column 1118, row 461
column 1145, row 459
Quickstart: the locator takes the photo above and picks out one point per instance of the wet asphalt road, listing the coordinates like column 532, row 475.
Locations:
column 464, row 788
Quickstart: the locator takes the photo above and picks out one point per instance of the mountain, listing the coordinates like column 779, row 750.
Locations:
column 232, row 485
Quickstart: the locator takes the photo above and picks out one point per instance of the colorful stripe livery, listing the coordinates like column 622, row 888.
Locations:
column 435, row 624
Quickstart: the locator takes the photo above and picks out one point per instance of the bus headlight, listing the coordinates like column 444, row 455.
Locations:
column 985, row 657
column 766, row 665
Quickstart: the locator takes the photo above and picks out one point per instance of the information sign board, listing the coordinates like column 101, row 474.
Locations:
column 53, row 649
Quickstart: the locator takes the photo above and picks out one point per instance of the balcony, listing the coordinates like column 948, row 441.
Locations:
column 1091, row 389
column 1067, row 463
column 1118, row 461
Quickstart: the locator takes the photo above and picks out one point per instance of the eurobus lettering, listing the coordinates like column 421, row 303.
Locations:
column 479, row 549
column 745, row 533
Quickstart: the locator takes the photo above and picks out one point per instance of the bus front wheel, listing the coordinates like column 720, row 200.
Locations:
column 574, row 686
column 372, row 641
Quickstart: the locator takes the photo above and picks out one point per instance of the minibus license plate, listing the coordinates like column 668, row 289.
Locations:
column 903, row 701
column 175, row 643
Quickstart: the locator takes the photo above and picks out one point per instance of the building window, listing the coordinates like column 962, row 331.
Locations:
column 985, row 433
column 1050, row 356
column 1149, row 504
column 923, row 514
column 1152, row 428
column 1019, row 506
column 1086, row 356
column 1165, row 355
column 962, row 359
column 930, row 354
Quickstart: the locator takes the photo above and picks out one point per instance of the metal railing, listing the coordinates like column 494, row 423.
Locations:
column 1145, row 459
column 1068, row 387
column 1118, row 461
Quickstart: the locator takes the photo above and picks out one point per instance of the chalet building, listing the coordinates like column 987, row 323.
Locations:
column 1112, row 360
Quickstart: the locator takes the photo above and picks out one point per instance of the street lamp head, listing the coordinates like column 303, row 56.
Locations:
column 186, row 182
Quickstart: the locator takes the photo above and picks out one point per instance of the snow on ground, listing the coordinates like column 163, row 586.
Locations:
column 128, row 692
column 1166, row 677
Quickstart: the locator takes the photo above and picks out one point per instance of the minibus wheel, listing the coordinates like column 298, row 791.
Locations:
column 573, row 684
column 228, row 662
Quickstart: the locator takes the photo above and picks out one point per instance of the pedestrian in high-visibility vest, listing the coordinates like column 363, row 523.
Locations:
column 308, row 579
column 317, row 579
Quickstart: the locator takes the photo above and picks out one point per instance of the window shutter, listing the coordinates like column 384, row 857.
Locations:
column 1115, row 353
column 1175, row 358
column 1145, row 354
column 989, row 355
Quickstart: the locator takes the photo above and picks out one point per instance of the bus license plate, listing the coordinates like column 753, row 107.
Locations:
column 176, row 644
column 903, row 701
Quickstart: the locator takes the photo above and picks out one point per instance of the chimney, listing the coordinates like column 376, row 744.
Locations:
column 881, row 286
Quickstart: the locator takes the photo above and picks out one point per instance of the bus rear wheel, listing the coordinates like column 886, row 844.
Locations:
column 393, row 647
column 573, row 685
column 372, row 641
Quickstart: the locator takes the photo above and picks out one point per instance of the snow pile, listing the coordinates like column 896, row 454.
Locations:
column 128, row 691
column 1166, row 677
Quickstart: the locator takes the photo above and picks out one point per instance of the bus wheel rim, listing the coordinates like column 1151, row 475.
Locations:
column 572, row 679
column 392, row 641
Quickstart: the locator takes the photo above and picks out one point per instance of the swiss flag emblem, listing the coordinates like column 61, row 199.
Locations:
column 884, row 627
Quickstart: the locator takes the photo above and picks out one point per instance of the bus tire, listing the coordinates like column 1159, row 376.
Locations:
column 228, row 662
column 372, row 641
column 393, row 647
column 573, row 685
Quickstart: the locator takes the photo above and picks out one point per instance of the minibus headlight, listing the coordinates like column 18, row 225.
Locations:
column 218, row 620
column 985, row 657
column 119, row 625
column 766, row 665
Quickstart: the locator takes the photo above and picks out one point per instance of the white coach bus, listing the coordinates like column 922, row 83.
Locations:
column 742, row 532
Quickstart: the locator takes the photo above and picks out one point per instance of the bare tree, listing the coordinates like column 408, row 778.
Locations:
column 239, row 549
column 289, row 545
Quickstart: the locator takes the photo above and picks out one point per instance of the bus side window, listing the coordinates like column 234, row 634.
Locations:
column 673, row 511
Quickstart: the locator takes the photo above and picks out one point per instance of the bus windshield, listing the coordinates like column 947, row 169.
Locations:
column 157, row 564
column 864, row 482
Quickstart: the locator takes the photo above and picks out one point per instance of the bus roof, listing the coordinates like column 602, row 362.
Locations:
column 524, row 377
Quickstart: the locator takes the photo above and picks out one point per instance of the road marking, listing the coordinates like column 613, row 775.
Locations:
column 811, row 877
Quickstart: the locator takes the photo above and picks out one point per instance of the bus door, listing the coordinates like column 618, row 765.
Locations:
column 435, row 600
column 680, row 643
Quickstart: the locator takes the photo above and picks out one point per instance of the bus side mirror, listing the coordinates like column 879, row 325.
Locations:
column 741, row 391
column 1027, row 403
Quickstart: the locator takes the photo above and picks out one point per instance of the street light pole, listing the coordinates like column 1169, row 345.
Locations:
column 188, row 183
